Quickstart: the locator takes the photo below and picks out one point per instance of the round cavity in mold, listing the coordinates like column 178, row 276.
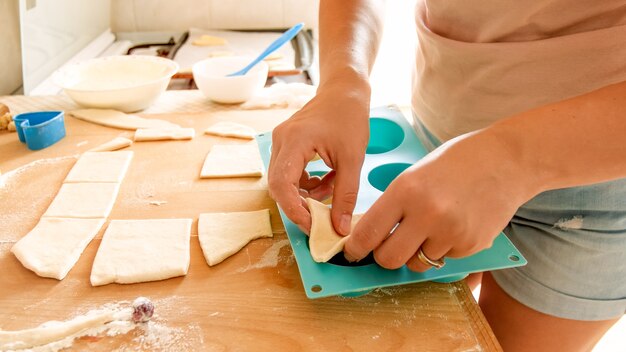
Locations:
column 514, row 258
column 382, row 175
column 316, row 288
column 385, row 135
column 340, row 260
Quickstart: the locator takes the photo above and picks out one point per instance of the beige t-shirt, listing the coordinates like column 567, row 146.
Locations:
column 479, row 61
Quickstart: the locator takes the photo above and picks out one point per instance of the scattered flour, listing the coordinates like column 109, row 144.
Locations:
column 269, row 258
column 10, row 177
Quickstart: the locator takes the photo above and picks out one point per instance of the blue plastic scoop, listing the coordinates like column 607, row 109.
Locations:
column 40, row 129
column 285, row 37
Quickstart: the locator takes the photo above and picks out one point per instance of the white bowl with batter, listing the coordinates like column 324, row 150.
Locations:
column 126, row 83
column 210, row 77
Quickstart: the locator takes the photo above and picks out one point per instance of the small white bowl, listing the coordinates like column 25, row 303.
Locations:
column 210, row 77
column 127, row 83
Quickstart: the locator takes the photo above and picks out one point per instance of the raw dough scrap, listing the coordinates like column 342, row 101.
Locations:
column 324, row 241
column 53, row 247
column 162, row 134
column 233, row 160
column 114, row 144
column 100, row 167
column 83, row 200
column 142, row 250
column 224, row 234
column 118, row 119
column 209, row 40
column 231, row 129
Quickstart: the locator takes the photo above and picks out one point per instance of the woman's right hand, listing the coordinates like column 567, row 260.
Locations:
column 335, row 125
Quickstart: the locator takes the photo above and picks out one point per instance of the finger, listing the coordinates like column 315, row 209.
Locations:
column 345, row 195
column 283, row 177
column 307, row 181
column 400, row 246
column 373, row 228
column 433, row 250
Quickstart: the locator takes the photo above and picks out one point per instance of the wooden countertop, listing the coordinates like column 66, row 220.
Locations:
column 252, row 301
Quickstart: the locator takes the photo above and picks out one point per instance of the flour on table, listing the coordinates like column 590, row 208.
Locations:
column 53, row 247
column 142, row 250
column 162, row 134
column 231, row 129
column 324, row 241
column 224, row 234
column 233, row 160
column 100, row 167
column 83, row 200
column 118, row 119
column 114, row 144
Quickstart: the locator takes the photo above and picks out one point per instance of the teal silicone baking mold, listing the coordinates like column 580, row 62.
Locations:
column 393, row 147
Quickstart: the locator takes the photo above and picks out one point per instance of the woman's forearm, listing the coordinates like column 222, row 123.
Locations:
column 350, row 31
column 574, row 142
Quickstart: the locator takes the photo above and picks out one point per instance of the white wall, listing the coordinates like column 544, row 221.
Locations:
column 10, row 55
column 53, row 31
column 180, row 15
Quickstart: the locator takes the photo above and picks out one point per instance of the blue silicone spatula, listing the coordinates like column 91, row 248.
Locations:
column 285, row 37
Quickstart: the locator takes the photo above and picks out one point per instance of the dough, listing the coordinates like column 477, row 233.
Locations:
column 83, row 200
column 224, row 234
column 231, row 129
column 324, row 242
column 114, row 144
column 100, row 167
column 161, row 134
column 55, row 332
column 53, row 247
column 273, row 56
column 221, row 53
column 209, row 40
column 233, row 160
column 117, row 119
column 142, row 250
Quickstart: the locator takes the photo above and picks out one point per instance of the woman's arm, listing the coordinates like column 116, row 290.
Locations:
column 457, row 199
column 335, row 123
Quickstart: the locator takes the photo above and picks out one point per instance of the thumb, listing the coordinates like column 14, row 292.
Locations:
column 345, row 195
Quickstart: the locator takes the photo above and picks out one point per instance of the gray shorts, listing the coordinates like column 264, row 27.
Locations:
column 575, row 243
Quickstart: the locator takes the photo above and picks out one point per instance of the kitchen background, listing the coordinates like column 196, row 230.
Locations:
column 39, row 36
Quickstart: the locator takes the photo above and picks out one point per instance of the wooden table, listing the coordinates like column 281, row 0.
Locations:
column 253, row 301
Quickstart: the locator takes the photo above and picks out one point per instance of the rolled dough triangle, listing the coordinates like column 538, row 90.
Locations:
column 324, row 241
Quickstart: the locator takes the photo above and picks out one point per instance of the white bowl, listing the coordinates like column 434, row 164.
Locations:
column 210, row 77
column 126, row 83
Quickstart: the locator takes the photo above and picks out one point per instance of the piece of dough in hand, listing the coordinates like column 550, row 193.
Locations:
column 324, row 241
column 233, row 160
column 142, row 250
column 53, row 247
column 231, row 129
column 224, row 234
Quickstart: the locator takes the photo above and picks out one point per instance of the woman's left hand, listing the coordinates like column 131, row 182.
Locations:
column 452, row 203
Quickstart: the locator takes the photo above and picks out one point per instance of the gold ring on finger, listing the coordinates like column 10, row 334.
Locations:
column 437, row 264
